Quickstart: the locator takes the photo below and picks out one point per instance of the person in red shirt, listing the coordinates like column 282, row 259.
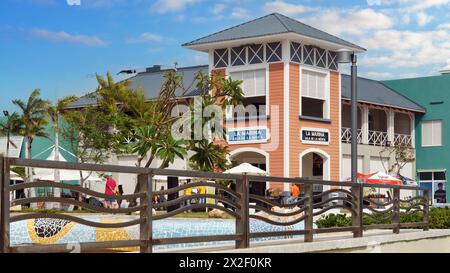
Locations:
column 111, row 189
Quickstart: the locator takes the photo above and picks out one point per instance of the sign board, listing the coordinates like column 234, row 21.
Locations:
column 315, row 136
column 247, row 135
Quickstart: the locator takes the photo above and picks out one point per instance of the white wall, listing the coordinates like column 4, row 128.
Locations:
column 346, row 170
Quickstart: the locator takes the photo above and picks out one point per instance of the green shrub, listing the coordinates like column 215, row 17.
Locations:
column 439, row 218
column 334, row 220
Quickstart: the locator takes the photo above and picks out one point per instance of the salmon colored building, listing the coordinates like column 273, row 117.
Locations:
column 289, row 72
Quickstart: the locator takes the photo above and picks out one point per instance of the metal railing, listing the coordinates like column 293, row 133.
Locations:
column 347, row 196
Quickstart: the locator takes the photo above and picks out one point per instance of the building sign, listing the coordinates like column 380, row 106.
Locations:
column 247, row 135
column 315, row 136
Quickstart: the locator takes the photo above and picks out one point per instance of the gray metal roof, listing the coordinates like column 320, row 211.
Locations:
column 151, row 83
column 375, row 92
column 369, row 91
column 271, row 24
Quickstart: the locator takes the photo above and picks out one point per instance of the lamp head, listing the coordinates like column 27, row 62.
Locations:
column 6, row 113
column 344, row 56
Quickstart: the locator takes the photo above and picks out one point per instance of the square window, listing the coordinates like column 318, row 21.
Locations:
column 426, row 176
column 255, row 54
column 432, row 133
column 238, row 55
column 273, row 52
column 439, row 175
column 221, row 58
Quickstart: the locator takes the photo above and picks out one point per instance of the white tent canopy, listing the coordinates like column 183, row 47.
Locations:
column 246, row 168
column 64, row 175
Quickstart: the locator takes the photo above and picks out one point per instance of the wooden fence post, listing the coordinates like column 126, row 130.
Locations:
column 146, row 230
column 357, row 221
column 426, row 208
column 396, row 211
column 309, row 210
column 4, row 229
column 243, row 224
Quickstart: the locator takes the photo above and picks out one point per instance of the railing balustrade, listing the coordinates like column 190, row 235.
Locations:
column 238, row 203
column 377, row 138
column 346, row 135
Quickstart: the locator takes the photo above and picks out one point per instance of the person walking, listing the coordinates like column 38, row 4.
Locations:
column 111, row 189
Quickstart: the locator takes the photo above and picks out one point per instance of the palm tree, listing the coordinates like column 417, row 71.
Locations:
column 33, row 122
column 55, row 112
column 10, row 126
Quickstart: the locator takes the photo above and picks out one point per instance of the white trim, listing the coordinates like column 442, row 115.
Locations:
column 340, row 120
column 273, row 38
column 286, row 110
column 253, row 150
column 327, row 86
column 248, row 128
column 326, row 157
column 318, row 130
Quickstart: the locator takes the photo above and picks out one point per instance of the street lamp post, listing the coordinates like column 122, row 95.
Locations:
column 346, row 56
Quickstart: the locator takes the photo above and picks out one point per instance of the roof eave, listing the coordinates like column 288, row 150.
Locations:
column 422, row 111
column 204, row 47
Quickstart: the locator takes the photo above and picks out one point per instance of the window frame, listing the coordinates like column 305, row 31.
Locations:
column 250, row 67
column 325, row 72
column 432, row 121
column 433, row 183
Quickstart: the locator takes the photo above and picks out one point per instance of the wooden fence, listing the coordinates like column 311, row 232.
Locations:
column 238, row 204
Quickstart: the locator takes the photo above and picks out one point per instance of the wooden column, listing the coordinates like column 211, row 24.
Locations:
column 4, row 229
column 146, row 231
column 426, row 208
column 309, row 209
column 396, row 211
column 243, row 224
column 357, row 221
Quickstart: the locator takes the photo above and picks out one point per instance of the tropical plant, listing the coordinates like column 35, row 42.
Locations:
column 209, row 156
column 10, row 126
column 32, row 120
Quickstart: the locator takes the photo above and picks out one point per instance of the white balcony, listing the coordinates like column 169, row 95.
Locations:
column 346, row 135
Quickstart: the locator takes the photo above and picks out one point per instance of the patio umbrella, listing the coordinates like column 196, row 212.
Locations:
column 383, row 178
column 359, row 176
column 407, row 181
column 246, row 168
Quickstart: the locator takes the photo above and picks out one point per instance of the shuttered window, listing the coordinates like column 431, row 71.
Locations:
column 254, row 82
column 314, row 85
column 432, row 133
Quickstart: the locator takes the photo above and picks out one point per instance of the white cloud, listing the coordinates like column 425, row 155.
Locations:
column 351, row 21
column 378, row 2
column 63, row 36
column 240, row 13
column 444, row 26
column 146, row 38
column 407, row 48
column 378, row 75
column 425, row 4
column 218, row 8
column 286, row 8
column 423, row 18
column 166, row 6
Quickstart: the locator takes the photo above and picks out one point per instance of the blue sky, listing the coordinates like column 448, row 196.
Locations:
column 59, row 45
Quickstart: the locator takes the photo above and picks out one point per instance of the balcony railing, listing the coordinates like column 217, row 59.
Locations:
column 346, row 135
column 403, row 139
column 376, row 138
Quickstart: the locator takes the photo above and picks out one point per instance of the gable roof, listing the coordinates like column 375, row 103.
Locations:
column 271, row 24
column 151, row 83
column 376, row 92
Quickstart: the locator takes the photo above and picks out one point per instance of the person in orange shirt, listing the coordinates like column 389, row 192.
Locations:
column 295, row 192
